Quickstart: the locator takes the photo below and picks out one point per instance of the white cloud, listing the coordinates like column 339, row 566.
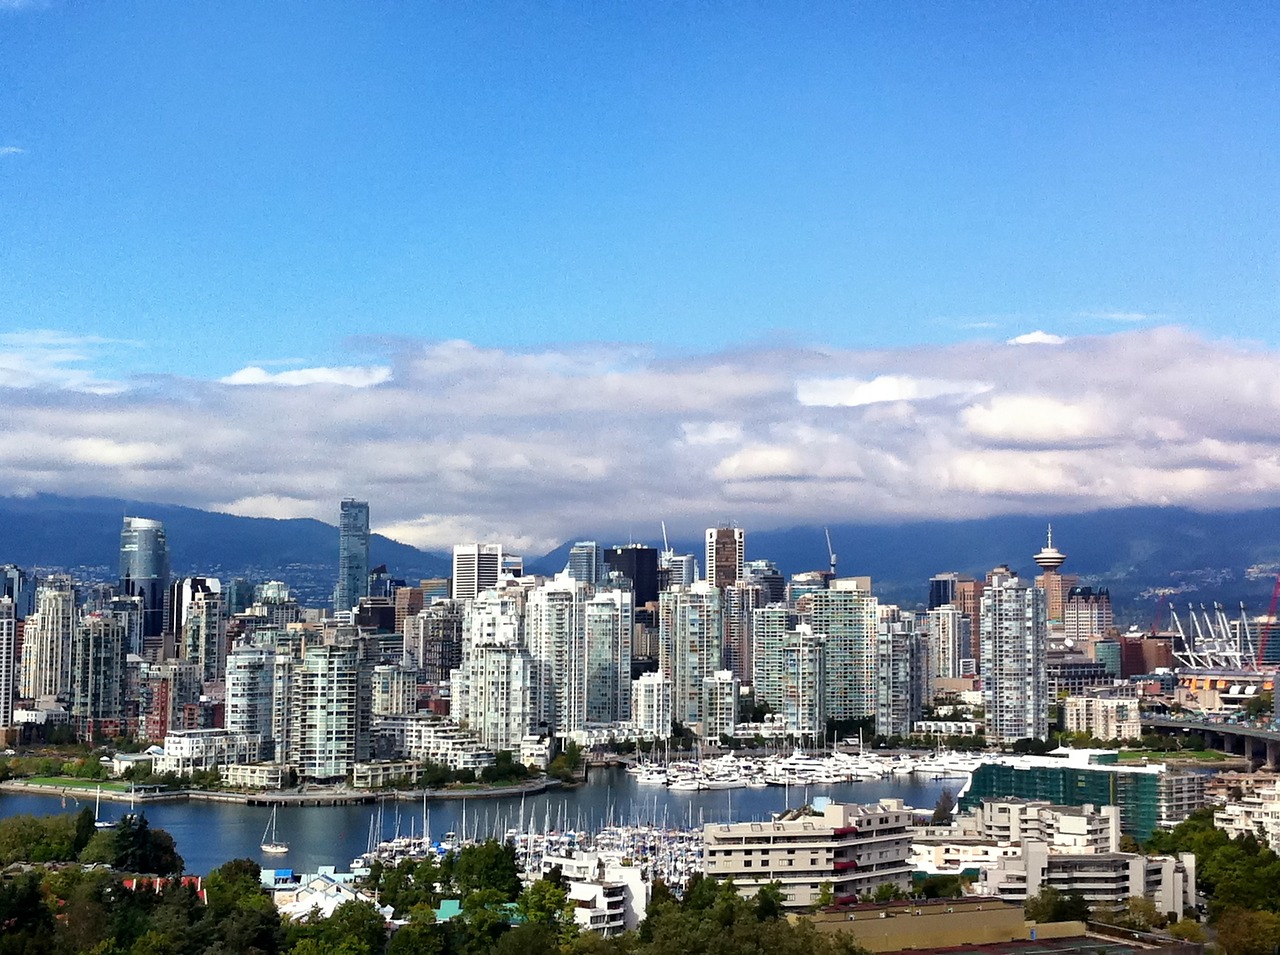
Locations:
column 11, row 150
column 350, row 377
column 1037, row 338
column 459, row 442
column 1125, row 317
column 852, row 392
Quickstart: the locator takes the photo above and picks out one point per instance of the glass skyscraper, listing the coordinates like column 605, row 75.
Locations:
column 144, row 573
column 353, row 554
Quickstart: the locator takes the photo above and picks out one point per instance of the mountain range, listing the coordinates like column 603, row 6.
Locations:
column 1133, row 551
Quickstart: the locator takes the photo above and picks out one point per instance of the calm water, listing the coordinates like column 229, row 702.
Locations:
column 209, row 834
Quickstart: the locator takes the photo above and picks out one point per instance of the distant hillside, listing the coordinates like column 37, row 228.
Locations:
column 1131, row 550
column 47, row 530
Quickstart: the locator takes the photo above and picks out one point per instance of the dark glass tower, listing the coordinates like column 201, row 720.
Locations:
column 639, row 564
column 353, row 554
column 144, row 573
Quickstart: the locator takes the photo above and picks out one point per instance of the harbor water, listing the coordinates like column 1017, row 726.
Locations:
column 211, row 833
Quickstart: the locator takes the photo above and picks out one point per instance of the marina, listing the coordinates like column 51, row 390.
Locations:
column 211, row 833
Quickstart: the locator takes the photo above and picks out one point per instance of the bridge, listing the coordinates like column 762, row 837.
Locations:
column 1260, row 746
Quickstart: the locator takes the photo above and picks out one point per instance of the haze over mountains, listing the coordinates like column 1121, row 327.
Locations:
column 1228, row 557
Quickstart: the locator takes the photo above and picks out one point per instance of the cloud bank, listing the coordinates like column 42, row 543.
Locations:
column 451, row 441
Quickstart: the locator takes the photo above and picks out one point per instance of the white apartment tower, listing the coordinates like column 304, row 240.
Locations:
column 8, row 659
column 476, row 568
column 950, row 641
column 651, row 705
column 46, row 641
column 803, row 682
column 741, row 600
column 771, row 627
column 610, row 620
column 848, row 616
column 720, row 693
column 690, row 644
column 556, row 635
column 1015, row 687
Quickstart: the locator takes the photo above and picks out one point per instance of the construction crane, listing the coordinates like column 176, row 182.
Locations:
column 831, row 553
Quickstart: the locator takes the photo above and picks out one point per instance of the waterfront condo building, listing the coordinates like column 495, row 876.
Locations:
column 902, row 677
column 720, row 704
column 690, row 644
column 853, row 848
column 46, row 641
column 8, row 660
column 353, row 554
column 771, row 627
column 849, row 617
column 98, row 676
column 803, row 682
column 651, row 705
column 610, row 620
column 1015, row 688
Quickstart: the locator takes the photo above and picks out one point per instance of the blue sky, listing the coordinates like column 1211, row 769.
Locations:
column 513, row 270
column 245, row 183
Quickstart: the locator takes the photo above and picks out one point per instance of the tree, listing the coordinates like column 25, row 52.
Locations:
column 1188, row 930
column 489, row 865
column 1245, row 932
column 887, row 892
column 943, row 808
column 826, row 897
column 547, row 904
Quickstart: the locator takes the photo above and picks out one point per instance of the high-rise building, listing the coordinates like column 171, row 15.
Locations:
column 741, row 600
column 8, row 659
column 1087, row 614
column 651, row 705
column 204, row 635
column 476, row 568
column 720, row 691
column 409, row 602
column 97, row 676
column 555, row 633
column 18, row 586
column 353, row 554
column 969, row 602
column 586, row 562
column 677, row 570
column 901, row 660
column 848, row 615
column 1015, row 688
column 144, row 572
column 492, row 689
column 610, row 620
column 766, row 574
column 249, row 694
column 804, row 682
column 434, row 636
column 690, row 644
column 1055, row 584
column 639, row 564
column 325, row 711
column 771, row 628
column 725, row 555
column 943, row 589
column 46, row 643
column 950, row 641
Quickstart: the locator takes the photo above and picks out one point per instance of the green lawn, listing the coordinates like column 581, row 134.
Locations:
column 1204, row 755
column 71, row 782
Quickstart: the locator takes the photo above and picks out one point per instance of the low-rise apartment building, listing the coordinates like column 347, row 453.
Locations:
column 853, row 848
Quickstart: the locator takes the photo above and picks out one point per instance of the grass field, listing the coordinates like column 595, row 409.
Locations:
column 1204, row 755
column 71, row 782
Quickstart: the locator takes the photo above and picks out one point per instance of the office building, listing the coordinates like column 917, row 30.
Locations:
column 144, row 573
column 690, row 644
column 610, row 620
column 353, row 554
column 852, row 848
column 476, row 568
column 408, row 602
column 1087, row 615
column 1015, row 688
column 726, row 553
column 677, row 570
column 638, row 564
column 46, row 641
column 945, row 588
column 766, row 574
column 849, row 617
column 586, row 562
column 20, row 587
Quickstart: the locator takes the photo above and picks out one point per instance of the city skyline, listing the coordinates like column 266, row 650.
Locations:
column 492, row 274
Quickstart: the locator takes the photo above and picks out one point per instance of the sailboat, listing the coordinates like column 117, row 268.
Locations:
column 98, row 822
column 273, row 846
